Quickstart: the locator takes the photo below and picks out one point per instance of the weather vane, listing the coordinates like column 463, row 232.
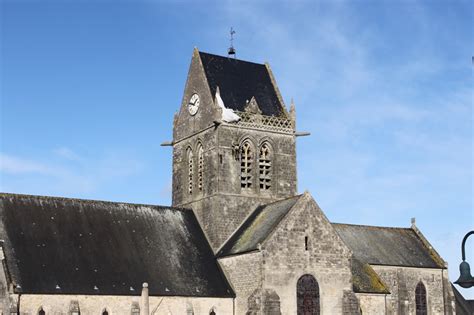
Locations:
column 231, row 51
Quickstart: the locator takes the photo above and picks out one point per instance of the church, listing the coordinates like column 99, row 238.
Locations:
column 238, row 238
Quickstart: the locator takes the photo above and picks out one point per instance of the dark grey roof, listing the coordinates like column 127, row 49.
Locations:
column 257, row 227
column 365, row 279
column 239, row 81
column 463, row 306
column 387, row 246
column 80, row 245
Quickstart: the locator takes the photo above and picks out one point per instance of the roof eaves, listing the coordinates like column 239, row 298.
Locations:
column 405, row 266
column 365, row 279
column 433, row 253
column 224, row 255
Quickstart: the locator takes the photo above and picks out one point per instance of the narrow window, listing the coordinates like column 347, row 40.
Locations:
column 135, row 309
column 212, row 312
column 420, row 299
column 305, row 243
column 41, row 312
column 246, row 160
column 190, row 171
column 105, row 312
column 200, row 152
column 74, row 308
column 265, row 167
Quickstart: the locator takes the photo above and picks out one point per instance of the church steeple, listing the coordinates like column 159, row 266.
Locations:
column 223, row 168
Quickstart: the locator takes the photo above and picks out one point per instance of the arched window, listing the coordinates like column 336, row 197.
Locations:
column 105, row 312
column 307, row 294
column 420, row 299
column 246, row 164
column 41, row 311
column 200, row 153
column 190, row 170
column 265, row 167
column 212, row 312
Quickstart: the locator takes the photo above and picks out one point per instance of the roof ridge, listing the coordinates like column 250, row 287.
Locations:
column 281, row 200
column 372, row 226
column 43, row 197
column 223, row 250
column 239, row 60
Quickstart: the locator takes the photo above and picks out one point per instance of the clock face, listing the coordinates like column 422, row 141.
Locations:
column 193, row 104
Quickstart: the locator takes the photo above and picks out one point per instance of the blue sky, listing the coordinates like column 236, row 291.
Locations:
column 89, row 89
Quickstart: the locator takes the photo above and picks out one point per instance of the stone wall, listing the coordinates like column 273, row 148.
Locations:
column 327, row 258
column 5, row 298
column 219, row 206
column 402, row 282
column 222, row 205
column 372, row 304
column 283, row 259
column 244, row 273
column 122, row 305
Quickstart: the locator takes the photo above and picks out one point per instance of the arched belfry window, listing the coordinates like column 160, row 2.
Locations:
column 41, row 311
column 200, row 156
column 307, row 294
column 246, row 164
column 420, row 299
column 190, row 170
column 265, row 167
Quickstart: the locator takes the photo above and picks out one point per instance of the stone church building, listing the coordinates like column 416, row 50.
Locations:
column 238, row 238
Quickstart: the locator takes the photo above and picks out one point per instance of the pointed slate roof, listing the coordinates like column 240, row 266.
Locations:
column 387, row 246
column 239, row 81
column 257, row 227
column 71, row 246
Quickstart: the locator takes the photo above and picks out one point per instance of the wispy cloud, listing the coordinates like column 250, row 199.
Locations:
column 54, row 174
column 67, row 153
column 390, row 117
column 15, row 165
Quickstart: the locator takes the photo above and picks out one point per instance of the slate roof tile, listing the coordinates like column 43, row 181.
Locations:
column 387, row 246
column 365, row 279
column 72, row 246
column 257, row 227
column 239, row 81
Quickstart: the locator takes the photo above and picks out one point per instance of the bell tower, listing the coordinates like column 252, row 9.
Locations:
column 233, row 143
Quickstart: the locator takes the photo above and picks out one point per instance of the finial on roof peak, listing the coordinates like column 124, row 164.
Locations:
column 413, row 221
column 292, row 109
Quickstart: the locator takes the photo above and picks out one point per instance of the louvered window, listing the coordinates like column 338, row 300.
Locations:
column 265, row 167
column 246, row 161
column 200, row 152
column 190, row 171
